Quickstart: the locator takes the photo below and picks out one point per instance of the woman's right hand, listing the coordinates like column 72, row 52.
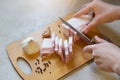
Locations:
column 104, row 12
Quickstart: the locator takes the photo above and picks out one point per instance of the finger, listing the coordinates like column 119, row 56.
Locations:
column 85, row 5
column 81, row 27
column 98, row 61
column 99, row 40
column 90, row 26
column 83, row 11
column 88, row 48
column 104, row 67
column 95, row 54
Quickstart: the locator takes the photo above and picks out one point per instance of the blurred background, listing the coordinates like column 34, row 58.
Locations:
column 19, row 18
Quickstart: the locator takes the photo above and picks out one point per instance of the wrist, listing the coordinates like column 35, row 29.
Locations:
column 116, row 69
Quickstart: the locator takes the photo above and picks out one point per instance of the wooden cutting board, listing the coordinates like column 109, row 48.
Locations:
column 55, row 68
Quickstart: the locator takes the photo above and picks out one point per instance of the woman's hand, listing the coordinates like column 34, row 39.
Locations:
column 106, row 55
column 104, row 12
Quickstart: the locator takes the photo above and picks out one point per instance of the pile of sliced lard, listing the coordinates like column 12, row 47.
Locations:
column 58, row 46
column 64, row 48
column 55, row 44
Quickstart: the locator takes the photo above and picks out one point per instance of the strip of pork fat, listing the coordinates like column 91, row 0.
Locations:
column 46, row 48
column 56, row 43
column 53, row 40
column 60, row 51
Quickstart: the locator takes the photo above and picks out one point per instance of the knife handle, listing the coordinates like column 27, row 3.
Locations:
column 92, row 41
column 103, row 37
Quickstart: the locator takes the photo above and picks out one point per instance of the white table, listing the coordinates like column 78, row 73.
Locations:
column 21, row 17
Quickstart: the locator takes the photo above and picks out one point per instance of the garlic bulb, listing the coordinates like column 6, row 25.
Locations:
column 30, row 46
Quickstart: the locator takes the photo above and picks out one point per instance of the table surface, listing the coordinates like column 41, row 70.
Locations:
column 19, row 18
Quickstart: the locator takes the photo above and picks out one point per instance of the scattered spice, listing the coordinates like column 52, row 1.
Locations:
column 38, row 67
column 38, row 71
column 35, row 70
column 59, row 26
column 41, row 71
column 42, row 60
column 35, row 63
column 38, row 61
column 59, row 31
column 49, row 62
column 46, row 64
column 44, row 69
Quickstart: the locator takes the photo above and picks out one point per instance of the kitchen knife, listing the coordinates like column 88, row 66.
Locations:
column 82, row 36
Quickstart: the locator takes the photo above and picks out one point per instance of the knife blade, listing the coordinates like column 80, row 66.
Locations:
column 80, row 34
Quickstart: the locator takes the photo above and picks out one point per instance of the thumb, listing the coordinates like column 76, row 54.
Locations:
column 99, row 40
column 83, row 11
column 90, row 25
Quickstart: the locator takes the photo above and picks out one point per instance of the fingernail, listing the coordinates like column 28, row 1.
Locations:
column 96, row 37
column 84, row 49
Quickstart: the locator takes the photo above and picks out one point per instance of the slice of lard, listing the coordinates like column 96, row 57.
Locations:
column 60, row 50
column 66, row 52
column 53, row 39
column 56, row 43
column 70, row 47
column 76, row 22
column 46, row 48
column 70, row 42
